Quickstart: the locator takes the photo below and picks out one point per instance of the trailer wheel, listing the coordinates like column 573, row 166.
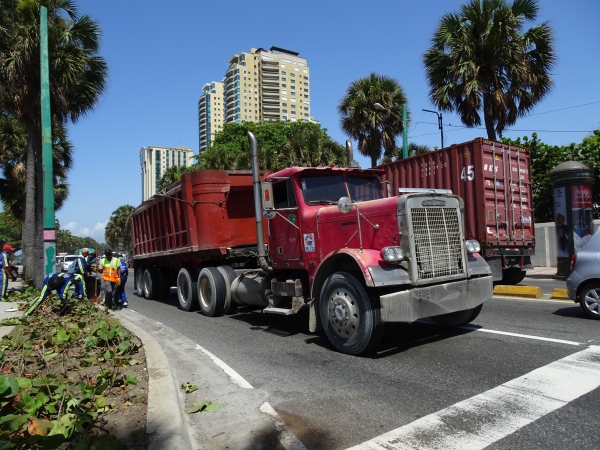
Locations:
column 458, row 318
column 139, row 281
column 350, row 314
column 513, row 276
column 211, row 292
column 151, row 283
column 187, row 289
column 228, row 275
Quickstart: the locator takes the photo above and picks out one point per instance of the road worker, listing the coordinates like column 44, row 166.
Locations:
column 110, row 266
column 5, row 274
column 119, row 296
column 59, row 282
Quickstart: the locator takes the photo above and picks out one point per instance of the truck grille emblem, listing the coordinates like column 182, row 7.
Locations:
column 433, row 203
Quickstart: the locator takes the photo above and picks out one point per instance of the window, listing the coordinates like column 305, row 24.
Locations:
column 364, row 188
column 323, row 189
column 283, row 194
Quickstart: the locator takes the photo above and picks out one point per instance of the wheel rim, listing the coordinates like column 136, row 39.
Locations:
column 205, row 292
column 343, row 313
column 147, row 284
column 592, row 301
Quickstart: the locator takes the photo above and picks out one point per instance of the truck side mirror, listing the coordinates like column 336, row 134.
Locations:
column 345, row 205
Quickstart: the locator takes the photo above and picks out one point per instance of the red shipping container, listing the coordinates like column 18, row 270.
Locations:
column 494, row 180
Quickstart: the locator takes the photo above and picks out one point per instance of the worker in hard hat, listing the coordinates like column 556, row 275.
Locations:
column 59, row 282
column 110, row 266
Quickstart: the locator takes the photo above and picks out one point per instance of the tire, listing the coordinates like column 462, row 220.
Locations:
column 187, row 289
column 350, row 315
column 589, row 300
column 458, row 318
column 151, row 283
column 228, row 275
column 513, row 276
column 139, row 281
column 211, row 292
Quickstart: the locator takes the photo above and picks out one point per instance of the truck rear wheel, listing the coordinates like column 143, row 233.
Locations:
column 458, row 318
column 187, row 289
column 350, row 315
column 228, row 276
column 139, row 281
column 211, row 292
column 151, row 283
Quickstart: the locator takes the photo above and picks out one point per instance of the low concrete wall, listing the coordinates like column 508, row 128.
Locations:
column 545, row 244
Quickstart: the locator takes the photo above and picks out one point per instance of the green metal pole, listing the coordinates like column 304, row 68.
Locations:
column 404, row 133
column 48, row 192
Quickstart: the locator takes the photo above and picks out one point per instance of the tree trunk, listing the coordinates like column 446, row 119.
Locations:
column 489, row 120
column 28, row 233
column 33, row 238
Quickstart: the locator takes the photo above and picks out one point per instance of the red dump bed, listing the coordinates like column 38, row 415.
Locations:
column 202, row 215
column 494, row 180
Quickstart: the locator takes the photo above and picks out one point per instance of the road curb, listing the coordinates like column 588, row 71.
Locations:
column 560, row 293
column 165, row 425
column 519, row 291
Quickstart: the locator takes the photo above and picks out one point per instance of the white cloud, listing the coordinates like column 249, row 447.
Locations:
column 96, row 232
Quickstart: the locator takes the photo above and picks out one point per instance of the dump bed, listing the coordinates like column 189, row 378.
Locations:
column 494, row 179
column 202, row 215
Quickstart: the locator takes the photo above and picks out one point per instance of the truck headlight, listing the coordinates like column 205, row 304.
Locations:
column 392, row 254
column 473, row 246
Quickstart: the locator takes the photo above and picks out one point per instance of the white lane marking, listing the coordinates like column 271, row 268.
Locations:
column 284, row 434
column 526, row 336
column 235, row 377
column 481, row 420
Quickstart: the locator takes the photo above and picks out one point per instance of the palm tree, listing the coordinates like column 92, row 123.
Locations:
column 77, row 79
column 481, row 62
column 362, row 121
column 171, row 175
column 118, row 228
column 310, row 146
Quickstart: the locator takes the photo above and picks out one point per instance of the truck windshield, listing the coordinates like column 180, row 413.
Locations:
column 325, row 189
column 362, row 189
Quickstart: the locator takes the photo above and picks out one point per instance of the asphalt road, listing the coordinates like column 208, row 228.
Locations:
column 335, row 401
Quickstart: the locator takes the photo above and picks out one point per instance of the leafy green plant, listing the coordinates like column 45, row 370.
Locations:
column 47, row 394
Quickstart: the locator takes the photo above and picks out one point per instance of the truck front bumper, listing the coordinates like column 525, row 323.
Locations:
column 429, row 301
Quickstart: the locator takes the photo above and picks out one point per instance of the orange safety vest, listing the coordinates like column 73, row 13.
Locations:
column 110, row 269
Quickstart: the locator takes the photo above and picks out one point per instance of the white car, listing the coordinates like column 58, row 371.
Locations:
column 67, row 260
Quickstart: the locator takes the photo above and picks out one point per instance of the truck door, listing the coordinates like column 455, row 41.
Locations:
column 284, row 230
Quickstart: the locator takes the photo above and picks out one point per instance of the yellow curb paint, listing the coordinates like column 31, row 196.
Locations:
column 560, row 293
column 522, row 291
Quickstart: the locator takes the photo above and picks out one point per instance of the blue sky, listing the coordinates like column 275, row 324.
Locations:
column 160, row 54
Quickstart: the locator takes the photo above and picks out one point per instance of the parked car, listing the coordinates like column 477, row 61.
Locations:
column 67, row 260
column 583, row 284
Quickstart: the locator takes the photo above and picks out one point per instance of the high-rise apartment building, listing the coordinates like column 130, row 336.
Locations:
column 154, row 161
column 259, row 86
column 210, row 113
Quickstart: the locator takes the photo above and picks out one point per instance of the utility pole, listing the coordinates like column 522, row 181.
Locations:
column 440, row 124
column 48, row 185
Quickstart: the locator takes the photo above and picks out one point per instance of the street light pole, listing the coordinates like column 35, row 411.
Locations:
column 380, row 107
column 440, row 124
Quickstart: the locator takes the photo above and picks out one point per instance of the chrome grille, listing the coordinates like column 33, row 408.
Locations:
column 437, row 241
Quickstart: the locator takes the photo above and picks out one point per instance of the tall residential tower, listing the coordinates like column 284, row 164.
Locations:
column 259, row 86
column 154, row 161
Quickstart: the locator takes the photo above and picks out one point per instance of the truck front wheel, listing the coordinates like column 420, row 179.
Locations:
column 350, row 315
column 458, row 318
column 211, row 292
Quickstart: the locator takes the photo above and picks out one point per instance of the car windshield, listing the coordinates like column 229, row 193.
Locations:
column 323, row 189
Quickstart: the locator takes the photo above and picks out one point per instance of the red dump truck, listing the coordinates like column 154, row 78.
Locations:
column 494, row 180
column 334, row 243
